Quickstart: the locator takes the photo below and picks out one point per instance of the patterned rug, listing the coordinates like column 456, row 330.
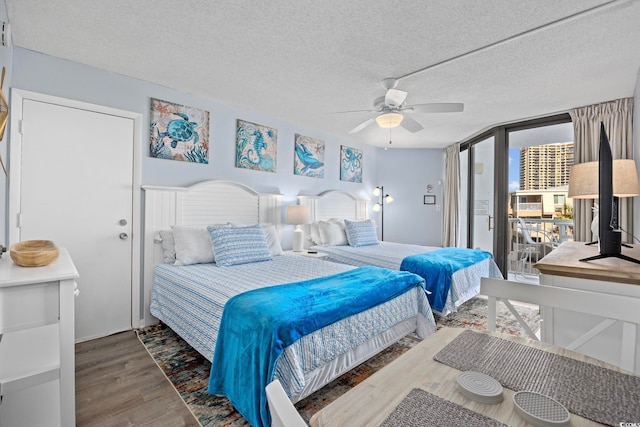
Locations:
column 188, row 371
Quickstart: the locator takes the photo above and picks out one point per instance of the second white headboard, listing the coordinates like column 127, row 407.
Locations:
column 335, row 204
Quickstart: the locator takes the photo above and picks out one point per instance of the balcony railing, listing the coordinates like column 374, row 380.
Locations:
column 531, row 239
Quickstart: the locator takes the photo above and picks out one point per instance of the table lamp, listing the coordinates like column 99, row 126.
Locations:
column 298, row 215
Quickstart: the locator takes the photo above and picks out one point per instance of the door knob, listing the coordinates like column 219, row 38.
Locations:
column 122, row 222
column 123, row 236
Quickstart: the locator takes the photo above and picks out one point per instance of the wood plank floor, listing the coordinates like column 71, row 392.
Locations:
column 119, row 384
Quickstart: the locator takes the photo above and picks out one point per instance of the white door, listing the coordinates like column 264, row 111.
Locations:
column 76, row 187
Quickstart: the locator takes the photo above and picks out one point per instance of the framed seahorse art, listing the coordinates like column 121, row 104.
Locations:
column 256, row 147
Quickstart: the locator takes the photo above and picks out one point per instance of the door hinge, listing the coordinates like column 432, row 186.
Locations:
column 19, row 219
column 20, row 126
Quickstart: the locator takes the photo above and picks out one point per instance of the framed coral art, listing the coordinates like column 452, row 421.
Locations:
column 256, row 147
column 179, row 132
column 308, row 157
column 350, row 164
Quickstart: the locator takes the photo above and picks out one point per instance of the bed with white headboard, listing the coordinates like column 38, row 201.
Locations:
column 189, row 298
column 202, row 204
column 334, row 207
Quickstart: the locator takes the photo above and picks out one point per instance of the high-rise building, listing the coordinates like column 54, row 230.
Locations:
column 545, row 166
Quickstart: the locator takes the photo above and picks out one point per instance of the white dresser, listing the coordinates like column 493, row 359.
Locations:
column 37, row 355
column 617, row 343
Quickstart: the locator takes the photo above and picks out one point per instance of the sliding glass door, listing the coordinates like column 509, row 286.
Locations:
column 493, row 183
column 483, row 196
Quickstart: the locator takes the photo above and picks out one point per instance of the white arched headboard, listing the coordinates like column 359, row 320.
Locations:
column 335, row 204
column 202, row 204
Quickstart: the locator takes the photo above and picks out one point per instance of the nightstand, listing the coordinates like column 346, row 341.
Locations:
column 318, row 255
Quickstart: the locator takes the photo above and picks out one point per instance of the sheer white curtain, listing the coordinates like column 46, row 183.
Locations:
column 617, row 118
column 451, row 195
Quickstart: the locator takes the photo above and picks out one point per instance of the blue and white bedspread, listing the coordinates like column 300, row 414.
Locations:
column 257, row 325
column 190, row 300
column 465, row 283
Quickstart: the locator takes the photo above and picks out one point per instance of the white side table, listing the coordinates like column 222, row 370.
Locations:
column 304, row 252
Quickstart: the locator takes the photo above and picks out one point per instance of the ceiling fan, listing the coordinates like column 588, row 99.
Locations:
column 390, row 109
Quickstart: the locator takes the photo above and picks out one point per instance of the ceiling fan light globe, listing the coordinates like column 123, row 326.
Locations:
column 389, row 120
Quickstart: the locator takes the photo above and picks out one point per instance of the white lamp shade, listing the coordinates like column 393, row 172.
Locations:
column 388, row 198
column 376, row 191
column 376, row 207
column 298, row 214
column 389, row 120
column 583, row 180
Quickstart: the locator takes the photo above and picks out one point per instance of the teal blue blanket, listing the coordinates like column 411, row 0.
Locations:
column 437, row 268
column 257, row 325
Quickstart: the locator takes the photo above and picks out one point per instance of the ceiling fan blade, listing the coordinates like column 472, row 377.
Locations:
column 436, row 107
column 362, row 125
column 353, row 111
column 411, row 125
column 395, row 97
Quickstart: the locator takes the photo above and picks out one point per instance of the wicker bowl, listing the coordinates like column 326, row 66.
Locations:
column 34, row 253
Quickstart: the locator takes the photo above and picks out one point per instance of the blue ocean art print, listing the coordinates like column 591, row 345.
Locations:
column 256, row 147
column 179, row 132
column 308, row 157
column 350, row 164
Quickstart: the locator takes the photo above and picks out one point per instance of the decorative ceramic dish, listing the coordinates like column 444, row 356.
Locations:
column 480, row 387
column 540, row 410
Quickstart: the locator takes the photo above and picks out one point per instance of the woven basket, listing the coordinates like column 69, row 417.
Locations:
column 34, row 253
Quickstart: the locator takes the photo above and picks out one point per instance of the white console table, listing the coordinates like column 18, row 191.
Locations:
column 37, row 355
column 617, row 343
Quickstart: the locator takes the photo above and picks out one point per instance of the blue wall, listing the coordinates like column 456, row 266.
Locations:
column 405, row 174
column 54, row 76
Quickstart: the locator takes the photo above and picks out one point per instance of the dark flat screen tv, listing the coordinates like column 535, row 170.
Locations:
column 610, row 237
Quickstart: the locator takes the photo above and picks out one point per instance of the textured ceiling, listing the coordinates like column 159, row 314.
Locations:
column 301, row 60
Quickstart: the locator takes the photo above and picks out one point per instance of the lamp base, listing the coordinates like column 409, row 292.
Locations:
column 298, row 239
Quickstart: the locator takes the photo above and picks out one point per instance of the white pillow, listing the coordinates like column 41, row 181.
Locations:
column 168, row 246
column 315, row 233
column 193, row 245
column 273, row 242
column 333, row 233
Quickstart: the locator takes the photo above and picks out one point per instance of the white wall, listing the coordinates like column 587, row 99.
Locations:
column 54, row 76
column 405, row 173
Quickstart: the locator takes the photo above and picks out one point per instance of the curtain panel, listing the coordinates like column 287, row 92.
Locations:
column 451, row 196
column 617, row 118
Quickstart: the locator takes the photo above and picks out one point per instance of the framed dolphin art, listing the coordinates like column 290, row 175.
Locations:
column 308, row 157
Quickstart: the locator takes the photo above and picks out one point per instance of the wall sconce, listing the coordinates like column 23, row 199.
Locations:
column 379, row 206
column 298, row 215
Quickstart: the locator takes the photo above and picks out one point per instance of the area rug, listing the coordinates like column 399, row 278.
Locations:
column 188, row 371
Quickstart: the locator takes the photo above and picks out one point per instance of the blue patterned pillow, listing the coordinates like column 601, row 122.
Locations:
column 239, row 245
column 359, row 233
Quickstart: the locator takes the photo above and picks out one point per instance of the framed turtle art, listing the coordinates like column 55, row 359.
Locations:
column 179, row 132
